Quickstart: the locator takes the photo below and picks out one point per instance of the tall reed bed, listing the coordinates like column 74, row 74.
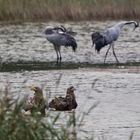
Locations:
column 62, row 10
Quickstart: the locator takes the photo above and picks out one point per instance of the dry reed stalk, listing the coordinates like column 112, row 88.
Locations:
column 34, row 10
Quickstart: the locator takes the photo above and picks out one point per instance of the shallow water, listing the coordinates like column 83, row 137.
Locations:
column 116, row 91
column 25, row 42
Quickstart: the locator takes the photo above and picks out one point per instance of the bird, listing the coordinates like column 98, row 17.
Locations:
column 109, row 36
column 59, row 36
column 70, row 98
column 37, row 102
column 68, row 30
column 66, row 103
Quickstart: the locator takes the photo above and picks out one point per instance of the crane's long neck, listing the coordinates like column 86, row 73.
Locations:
column 122, row 24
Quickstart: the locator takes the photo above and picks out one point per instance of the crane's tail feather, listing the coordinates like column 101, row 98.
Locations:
column 74, row 46
column 71, row 42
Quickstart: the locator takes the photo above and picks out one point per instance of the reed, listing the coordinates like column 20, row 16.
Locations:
column 65, row 10
column 16, row 125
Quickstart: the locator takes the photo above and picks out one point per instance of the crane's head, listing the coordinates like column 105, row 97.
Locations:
column 60, row 28
column 136, row 25
column 48, row 30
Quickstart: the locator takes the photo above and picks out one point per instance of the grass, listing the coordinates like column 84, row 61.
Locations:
column 37, row 65
column 15, row 125
column 64, row 10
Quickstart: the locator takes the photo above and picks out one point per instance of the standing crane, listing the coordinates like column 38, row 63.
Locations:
column 109, row 36
column 59, row 36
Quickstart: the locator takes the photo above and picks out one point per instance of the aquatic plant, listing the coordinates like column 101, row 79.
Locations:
column 16, row 125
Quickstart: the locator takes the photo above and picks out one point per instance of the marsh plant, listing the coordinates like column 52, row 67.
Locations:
column 16, row 125
column 56, row 125
column 36, row 10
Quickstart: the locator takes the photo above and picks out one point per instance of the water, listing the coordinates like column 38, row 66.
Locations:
column 24, row 43
column 116, row 91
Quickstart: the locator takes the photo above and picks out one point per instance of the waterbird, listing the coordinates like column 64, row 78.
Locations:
column 37, row 102
column 60, row 36
column 66, row 103
column 109, row 36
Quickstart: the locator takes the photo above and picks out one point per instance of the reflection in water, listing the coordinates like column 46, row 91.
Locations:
column 115, row 90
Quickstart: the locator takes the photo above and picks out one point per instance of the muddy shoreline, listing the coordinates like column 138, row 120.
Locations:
column 35, row 66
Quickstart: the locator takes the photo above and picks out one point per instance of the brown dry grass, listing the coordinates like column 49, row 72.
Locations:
column 62, row 10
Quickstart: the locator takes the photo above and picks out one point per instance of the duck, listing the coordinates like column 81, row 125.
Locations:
column 66, row 103
column 37, row 102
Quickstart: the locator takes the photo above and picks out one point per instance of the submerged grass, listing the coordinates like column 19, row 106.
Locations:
column 37, row 65
column 62, row 10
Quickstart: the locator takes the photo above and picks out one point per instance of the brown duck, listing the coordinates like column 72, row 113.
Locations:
column 37, row 103
column 65, row 103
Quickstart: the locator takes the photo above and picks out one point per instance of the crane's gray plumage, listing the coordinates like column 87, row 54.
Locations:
column 109, row 36
column 59, row 36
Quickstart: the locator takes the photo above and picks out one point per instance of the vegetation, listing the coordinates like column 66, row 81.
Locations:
column 16, row 125
column 62, row 10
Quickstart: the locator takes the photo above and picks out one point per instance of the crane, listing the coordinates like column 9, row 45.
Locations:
column 109, row 36
column 59, row 36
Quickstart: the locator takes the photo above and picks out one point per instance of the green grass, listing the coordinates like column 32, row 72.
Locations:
column 64, row 10
column 16, row 125
column 37, row 65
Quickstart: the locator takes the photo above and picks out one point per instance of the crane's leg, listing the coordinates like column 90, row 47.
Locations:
column 107, row 53
column 114, row 53
column 57, row 53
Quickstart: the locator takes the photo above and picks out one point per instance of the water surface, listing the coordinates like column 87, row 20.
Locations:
column 116, row 91
column 24, row 42
column 115, row 88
